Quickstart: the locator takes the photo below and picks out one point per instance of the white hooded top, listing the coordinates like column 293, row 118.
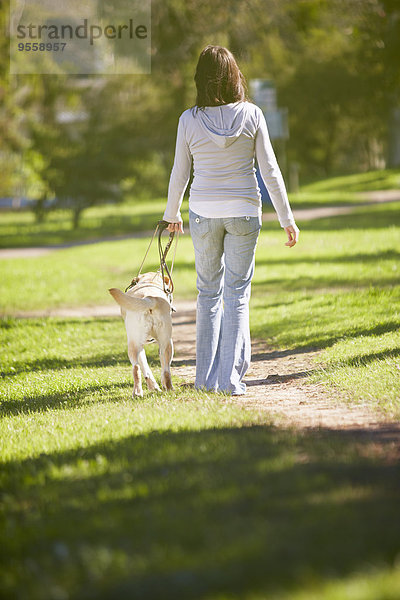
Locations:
column 224, row 142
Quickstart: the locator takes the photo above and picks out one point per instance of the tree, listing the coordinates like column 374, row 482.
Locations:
column 85, row 140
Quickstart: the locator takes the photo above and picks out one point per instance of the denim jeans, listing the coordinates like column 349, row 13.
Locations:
column 224, row 254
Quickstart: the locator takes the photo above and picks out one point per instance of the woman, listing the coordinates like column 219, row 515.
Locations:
column 224, row 134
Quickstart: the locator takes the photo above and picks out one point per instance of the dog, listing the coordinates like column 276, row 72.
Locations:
column 147, row 314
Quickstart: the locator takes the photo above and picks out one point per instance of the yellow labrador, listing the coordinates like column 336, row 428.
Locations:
column 147, row 315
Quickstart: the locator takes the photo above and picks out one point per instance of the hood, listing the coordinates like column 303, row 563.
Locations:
column 223, row 124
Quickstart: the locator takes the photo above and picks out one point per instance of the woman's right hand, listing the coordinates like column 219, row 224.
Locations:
column 176, row 227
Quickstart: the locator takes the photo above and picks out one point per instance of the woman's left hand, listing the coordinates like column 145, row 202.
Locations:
column 177, row 227
column 293, row 235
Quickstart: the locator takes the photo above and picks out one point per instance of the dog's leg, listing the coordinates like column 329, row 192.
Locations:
column 147, row 373
column 166, row 354
column 133, row 353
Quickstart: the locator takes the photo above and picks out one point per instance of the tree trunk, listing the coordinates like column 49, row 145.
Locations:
column 39, row 209
column 76, row 217
column 330, row 142
column 394, row 138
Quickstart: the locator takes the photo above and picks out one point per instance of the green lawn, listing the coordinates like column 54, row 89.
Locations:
column 346, row 189
column 179, row 495
column 186, row 494
column 19, row 229
column 388, row 179
column 338, row 290
column 144, row 508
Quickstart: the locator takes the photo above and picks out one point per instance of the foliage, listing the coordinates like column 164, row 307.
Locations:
column 335, row 65
column 89, row 154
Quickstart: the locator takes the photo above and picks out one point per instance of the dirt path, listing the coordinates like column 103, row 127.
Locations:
column 276, row 383
column 276, row 380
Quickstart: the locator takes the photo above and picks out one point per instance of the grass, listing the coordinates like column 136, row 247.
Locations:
column 339, row 286
column 338, row 290
column 385, row 179
column 366, row 367
column 70, row 380
column 346, row 189
column 180, row 495
column 19, row 229
column 187, row 494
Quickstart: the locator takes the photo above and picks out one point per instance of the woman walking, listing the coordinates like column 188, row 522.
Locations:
column 224, row 134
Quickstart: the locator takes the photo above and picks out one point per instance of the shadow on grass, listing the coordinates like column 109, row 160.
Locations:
column 274, row 354
column 65, row 399
column 360, row 219
column 318, row 342
column 82, row 357
column 327, row 284
column 91, row 230
column 230, row 512
column 60, row 363
column 349, row 258
column 94, row 228
column 184, row 362
column 365, row 359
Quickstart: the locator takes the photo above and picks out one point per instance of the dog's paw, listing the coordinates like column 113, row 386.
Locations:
column 152, row 385
column 166, row 381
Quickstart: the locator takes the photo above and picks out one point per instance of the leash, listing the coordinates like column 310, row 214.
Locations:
column 162, row 253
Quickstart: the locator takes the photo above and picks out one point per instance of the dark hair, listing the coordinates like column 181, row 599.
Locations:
column 218, row 78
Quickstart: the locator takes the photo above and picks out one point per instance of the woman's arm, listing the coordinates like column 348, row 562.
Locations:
column 179, row 176
column 271, row 174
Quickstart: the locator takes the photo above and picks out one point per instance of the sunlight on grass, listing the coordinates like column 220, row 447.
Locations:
column 366, row 368
column 184, row 512
column 71, row 381
column 377, row 583
column 388, row 179
column 82, row 275
column 346, row 189
column 19, row 229
column 72, row 425
column 336, row 285
column 186, row 494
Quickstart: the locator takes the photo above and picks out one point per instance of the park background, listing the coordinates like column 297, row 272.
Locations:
column 187, row 495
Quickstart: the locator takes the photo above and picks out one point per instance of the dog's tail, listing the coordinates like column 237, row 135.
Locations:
column 130, row 302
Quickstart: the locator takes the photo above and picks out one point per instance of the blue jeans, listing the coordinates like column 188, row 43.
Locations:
column 224, row 254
